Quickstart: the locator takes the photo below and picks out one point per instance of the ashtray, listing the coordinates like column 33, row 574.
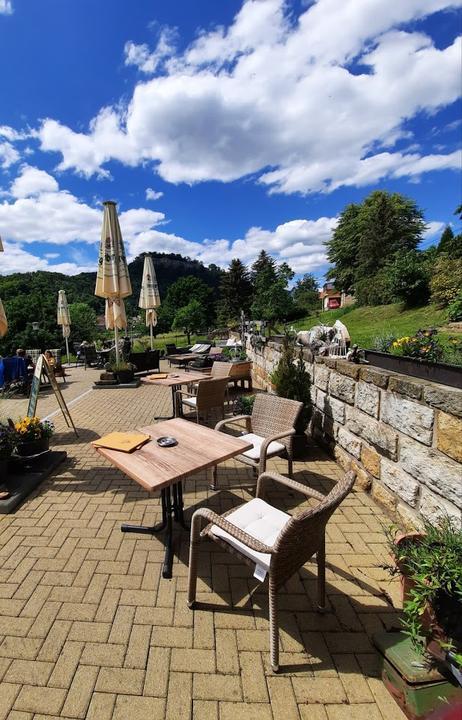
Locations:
column 174, row 375
column 167, row 441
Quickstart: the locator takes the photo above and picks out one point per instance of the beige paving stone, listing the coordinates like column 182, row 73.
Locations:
column 138, row 708
column 138, row 647
column 313, row 712
column 319, row 690
column 205, row 710
column 90, row 631
column 253, row 677
column 192, row 660
column 157, row 672
column 244, row 711
column 35, row 672
column 179, row 697
column 216, row 687
column 9, row 693
column 226, row 652
column 282, row 699
column 359, row 712
column 54, row 641
column 120, row 680
column 40, row 699
column 101, row 706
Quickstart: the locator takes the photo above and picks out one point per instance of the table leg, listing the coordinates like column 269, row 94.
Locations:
column 169, row 509
column 170, row 417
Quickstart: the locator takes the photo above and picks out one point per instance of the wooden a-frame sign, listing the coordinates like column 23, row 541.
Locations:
column 42, row 368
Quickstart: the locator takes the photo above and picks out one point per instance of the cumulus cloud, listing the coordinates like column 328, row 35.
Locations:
column 153, row 194
column 16, row 259
column 6, row 7
column 145, row 60
column 32, row 181
column 276, row 97
column 8, row 155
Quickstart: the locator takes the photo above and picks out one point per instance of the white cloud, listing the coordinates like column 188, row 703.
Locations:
column 434, row 227
column 16, row 259
column 277, row 91
column 153, row 194
column 32, row 181
column 6, row 7
column 8, row 155
column 146, row 61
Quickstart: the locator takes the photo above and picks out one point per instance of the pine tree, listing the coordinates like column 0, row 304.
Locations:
column 450, row 244
column 235, row 293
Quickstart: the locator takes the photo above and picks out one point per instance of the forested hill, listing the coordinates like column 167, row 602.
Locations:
column 32, row 296
column 32, row 288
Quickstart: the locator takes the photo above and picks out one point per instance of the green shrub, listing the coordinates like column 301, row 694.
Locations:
column 446, row 282
column 455, row 309
column 424, row 345
column 291, row 380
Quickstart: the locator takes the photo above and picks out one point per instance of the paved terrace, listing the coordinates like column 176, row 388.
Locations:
column 89, row 629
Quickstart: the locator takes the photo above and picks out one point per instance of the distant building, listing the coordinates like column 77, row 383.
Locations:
column 332, row 299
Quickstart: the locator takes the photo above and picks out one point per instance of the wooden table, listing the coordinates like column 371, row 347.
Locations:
column 157, row 468
column 174, row 381
column 183, row 358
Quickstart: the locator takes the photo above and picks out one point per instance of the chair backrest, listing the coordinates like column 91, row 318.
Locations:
column 221, row 369
column 211, row 393
column 34, row 355
column 170, row 348
column 304, row 534
column 90, row 353
column 272, row 414
column 200, row 348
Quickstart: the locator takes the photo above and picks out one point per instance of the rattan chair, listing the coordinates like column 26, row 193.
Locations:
column 270, row 428
column 274, row 542
column 210, row 394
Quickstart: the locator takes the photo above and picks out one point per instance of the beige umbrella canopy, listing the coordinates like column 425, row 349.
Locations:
column 149, row 295
column 3, row 320
column 112, row 279
column 64, row 318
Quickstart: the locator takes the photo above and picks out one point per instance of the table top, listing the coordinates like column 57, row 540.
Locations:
column 182, row 378
column 187, row 357
column 198, row 448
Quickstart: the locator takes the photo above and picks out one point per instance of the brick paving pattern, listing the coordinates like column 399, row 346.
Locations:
column 89, row 629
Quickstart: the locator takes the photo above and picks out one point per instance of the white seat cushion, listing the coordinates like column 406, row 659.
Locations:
column 274, row 448
column 264, row 522
column 192, row 401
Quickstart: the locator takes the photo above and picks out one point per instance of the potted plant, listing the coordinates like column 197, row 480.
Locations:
column 32, row 436
column 291, row 380
column 123, row 371
column 431, row 563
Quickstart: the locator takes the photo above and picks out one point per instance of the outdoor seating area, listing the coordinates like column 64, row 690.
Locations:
column 95, row 621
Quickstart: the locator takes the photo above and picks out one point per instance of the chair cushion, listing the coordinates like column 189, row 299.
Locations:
column 259, row 519
column 192, row 401
column 274, row 448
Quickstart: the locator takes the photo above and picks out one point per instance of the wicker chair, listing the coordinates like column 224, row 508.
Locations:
column 271, row 540
column 270, row 428
column 210, row 394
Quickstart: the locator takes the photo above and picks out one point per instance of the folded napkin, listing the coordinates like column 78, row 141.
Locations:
column 124, row 441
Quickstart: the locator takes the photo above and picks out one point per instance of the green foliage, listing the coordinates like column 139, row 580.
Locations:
column 455, row 309
column 291, row 380
column 235, row 293
column 272, row 300
column 366, row 239
column 450, row 244
column 190, row 318
column 244, row 405
column 446, row 280
column 182, row 292
column 306, row 294
column 83, row 321
column 408, row 278
column 424, row 345
column 433, row 563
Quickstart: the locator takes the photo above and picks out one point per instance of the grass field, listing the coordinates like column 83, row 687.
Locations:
column 161, row 340
column 367, row 323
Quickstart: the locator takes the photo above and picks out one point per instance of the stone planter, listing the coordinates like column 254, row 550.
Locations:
column 3, row 468
column 124, row 376
column 442, row 373
column 33, row 447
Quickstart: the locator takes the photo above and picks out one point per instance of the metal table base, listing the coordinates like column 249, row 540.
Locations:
column 172, row 509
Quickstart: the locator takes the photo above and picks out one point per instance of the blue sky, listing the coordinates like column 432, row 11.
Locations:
column 221, row 128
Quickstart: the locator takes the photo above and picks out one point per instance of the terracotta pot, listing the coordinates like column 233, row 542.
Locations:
column 33, row 447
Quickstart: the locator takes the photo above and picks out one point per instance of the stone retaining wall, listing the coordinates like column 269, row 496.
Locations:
column 402, row 436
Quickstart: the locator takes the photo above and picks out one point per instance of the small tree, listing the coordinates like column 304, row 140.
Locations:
column 446, row 280
column 190, row 318
column 83, row 321
column 291, row 380
column 409, row 277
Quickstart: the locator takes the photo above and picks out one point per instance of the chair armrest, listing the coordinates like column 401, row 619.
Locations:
column 288, row 482
column 278, row 436
column 232, row 420
column 233, row 530
column 183, row 392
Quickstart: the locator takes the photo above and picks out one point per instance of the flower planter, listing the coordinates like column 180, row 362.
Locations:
column 33, row 447
column 442, row 373
column 3, row 468
column 124, row 376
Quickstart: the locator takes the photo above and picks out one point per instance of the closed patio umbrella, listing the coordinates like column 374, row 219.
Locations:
column 112, row 279
column 149, row 295
column 64, row 319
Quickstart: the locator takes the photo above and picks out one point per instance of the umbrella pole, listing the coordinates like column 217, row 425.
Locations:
column 116, row 338
column 67, row 351
column 150, row 333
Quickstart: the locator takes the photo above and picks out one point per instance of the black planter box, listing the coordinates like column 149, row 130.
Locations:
column 442, row 373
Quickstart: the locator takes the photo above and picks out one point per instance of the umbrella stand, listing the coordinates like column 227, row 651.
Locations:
column 116, row 338
column 150, row 333
column 67, row 351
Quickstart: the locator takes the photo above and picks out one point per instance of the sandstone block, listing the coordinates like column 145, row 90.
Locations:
column 371, row 460
column 438, row 472
column 347, row 368
column 342, row 457
column 349, row 442
column 383, row 496
column 330, row 362
column 368, row 398
column 374, row 375
column 444, row 398
column 363, row 479
column 321, row 376
column 335, row 409
column 405, row 486
column 342, row 387
column 408, row 518
column 434, row 509
column 383, row 438
column 449, row 435
column 408, row 417
column 403, row 386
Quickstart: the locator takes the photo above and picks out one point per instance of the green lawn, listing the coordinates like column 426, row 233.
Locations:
column 367, row 323
column 161, row 340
